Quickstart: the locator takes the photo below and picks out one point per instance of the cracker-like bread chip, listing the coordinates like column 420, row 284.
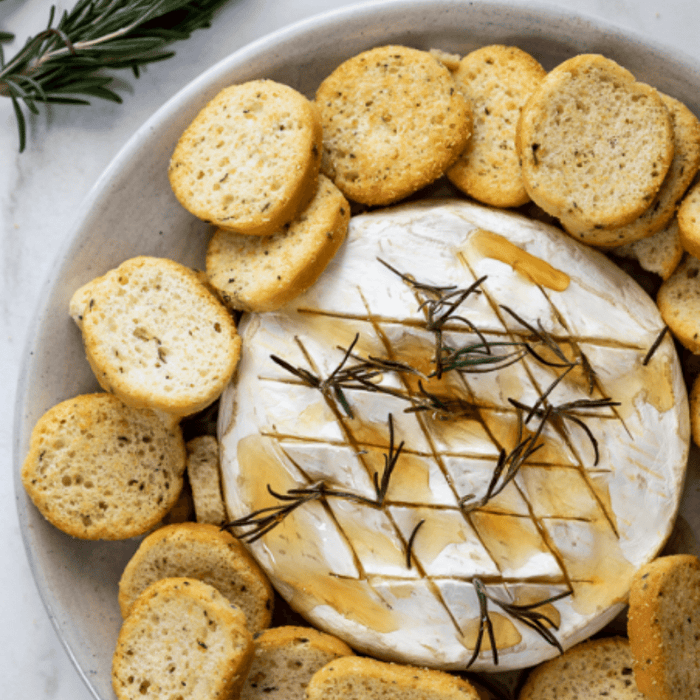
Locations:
column 664, row 628
column 593, row 669
column 393, row 122
column 497, row 81
column 204, row 476
column 595, row 145
column 183, row 639
column 678, row 300
column 206, row 553
column 285, row 660
column 156, row 337
column 263, row 273
column 689, row 221
column 98, row 469
column 249, row 160
column 362, row 678
column 659, row 253
column 684, row 166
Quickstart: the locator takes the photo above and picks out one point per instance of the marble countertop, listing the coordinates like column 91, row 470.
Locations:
column 41, row 189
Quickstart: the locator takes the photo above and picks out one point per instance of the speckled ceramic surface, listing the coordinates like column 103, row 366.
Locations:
column 131, row 211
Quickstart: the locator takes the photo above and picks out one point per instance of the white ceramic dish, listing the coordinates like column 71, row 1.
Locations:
column 131, row 211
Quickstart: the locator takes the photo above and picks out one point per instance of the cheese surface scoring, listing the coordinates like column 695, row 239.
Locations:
column 538, row 456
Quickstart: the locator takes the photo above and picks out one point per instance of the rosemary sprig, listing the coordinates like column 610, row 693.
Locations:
column 568, row 411
column 440, row 305
column 526, row 614
column 510, row 462
column 64, row 64
column 359, row 376
column 543, row 337
column 258, row 523
column 444, row 407
column 478, row 358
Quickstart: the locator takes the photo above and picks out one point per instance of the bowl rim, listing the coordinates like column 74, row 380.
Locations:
column 198, row 87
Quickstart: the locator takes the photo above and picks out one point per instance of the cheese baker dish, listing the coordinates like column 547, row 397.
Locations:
column 457, row 447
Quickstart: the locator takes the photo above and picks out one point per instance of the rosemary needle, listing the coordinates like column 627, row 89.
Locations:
column 65, row 63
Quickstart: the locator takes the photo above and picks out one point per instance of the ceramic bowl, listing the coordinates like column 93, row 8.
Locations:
column 131, row 210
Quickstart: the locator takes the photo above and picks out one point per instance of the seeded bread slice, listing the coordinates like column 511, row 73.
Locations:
column 249, row 160
column 361, row 678
column 205, row 480
column 689, row 221
column 206, row 553
column 182, row 640
column 664, row 628
column 594, row 669
column 393, row 122
column 285, row 660
column 264, row 273
column 659, row 253
column 497, row 81
column 156, row 337
column 684, row 166
column 678, row 300
column 595, row 145
column 98, row 469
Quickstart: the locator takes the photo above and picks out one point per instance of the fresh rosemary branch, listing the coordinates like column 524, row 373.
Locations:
column 440, row 305
column 260, row 522
column 527, row 614
column 510, row 462
column 65, row 63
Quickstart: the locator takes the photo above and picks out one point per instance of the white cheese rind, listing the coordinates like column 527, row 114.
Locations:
column 563, row 521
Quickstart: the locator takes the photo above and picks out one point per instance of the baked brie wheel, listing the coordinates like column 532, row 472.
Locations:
column 458, row 446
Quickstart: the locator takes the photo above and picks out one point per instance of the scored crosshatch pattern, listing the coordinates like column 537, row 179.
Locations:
column 430, row 478
column 419, row 554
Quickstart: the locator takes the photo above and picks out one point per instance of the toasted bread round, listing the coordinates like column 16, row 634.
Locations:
column 689, row 221
column 362, row 678
column 182, row 640
column 664, row 628
column 98, row 469
column 678, row 300
column 285, row 660
column 594, row 669
column 205, row 479
column 264, row 273
column 659, row 253
column 595, row 145
column 393, row 122
column 158, row 338
column 206, row 553
column 684, row 166
column 497, row 81
column 249, row 160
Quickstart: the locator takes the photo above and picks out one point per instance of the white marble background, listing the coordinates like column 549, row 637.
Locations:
column 39, row 193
